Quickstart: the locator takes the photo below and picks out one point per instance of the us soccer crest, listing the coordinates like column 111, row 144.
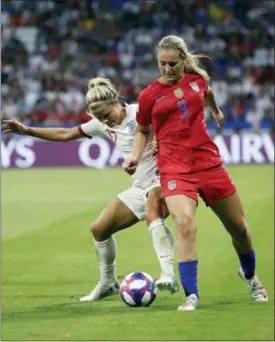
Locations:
column 194, row 86
column 178, row 93
column 171, row 185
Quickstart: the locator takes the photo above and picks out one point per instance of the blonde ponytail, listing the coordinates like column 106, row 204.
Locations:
column 100, row 91
column 191, row 61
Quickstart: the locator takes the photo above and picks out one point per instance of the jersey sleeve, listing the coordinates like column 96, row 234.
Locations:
column 91, row 128
column 144, row 111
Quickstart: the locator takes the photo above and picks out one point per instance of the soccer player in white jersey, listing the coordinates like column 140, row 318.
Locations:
column 141, row 201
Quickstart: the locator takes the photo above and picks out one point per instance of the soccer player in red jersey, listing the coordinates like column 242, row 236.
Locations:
column 189, row 162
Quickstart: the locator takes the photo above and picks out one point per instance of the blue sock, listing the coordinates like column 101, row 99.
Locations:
column 188, row 276
column 248, row 263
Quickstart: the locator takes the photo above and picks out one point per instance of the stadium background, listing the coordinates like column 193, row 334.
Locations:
column 50, row 49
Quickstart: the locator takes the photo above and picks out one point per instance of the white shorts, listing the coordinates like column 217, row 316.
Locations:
column 135, row 199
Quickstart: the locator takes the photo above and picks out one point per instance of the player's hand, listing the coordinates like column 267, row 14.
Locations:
column 219, row 118
column 155, row 146
column 130, row 165
column 13, row 126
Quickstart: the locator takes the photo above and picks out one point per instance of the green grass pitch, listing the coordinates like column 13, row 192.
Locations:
column 49, row 261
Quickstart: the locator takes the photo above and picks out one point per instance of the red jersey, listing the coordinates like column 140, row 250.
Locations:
column 176, row 112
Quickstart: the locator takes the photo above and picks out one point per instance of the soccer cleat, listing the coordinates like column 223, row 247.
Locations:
column 256, row 288
column 167, row 283
column 101, row 291
column 191, row 303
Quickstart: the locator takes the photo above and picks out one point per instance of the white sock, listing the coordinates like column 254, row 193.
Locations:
column 106, row 252
column 164, row 246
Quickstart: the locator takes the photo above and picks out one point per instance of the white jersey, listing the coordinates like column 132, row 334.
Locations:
column 123, row 137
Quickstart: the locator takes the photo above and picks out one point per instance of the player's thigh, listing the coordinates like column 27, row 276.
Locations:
column 231, row 212
column 114, row 217
column 182, row 210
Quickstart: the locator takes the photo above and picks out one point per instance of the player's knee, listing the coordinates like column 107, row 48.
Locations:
column 241, row 234
column 186, row 226
column 239, row 230
column 239, row 226
column 152, row 214
column 153, row 207
column 98, row 231
column 154, row 199
column 241, row 222
column 94, row 229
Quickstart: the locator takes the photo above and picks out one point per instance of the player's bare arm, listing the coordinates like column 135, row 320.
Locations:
column 155, row 145
column 53, row 134
column 139, row 144
column 140, row 140
column 210, row 100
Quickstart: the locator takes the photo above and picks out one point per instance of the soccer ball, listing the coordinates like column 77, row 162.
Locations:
column 138, row 289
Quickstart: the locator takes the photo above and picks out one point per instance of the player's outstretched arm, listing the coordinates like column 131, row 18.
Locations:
column 53, row 134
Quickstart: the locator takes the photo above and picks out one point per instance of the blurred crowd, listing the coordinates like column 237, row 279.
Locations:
column 50, row 49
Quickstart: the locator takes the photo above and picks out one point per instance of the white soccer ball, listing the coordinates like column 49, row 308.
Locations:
column 138, row 289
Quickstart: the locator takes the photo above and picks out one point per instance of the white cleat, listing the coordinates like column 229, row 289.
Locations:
column 101, row 291
column 167, row 283
column 191, row 303
column 256, row 288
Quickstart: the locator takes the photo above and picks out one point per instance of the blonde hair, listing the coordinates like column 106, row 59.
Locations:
column 101, row 91
column 191, row 61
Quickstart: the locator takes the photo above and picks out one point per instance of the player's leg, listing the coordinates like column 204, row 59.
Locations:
column 136, row 200
column 114, row 217
column 162, row 237
column 231, row 213
column 181, row 199
column 220, row 193
column 182, row 210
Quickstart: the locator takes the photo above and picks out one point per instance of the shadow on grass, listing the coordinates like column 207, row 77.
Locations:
column 112, row 306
